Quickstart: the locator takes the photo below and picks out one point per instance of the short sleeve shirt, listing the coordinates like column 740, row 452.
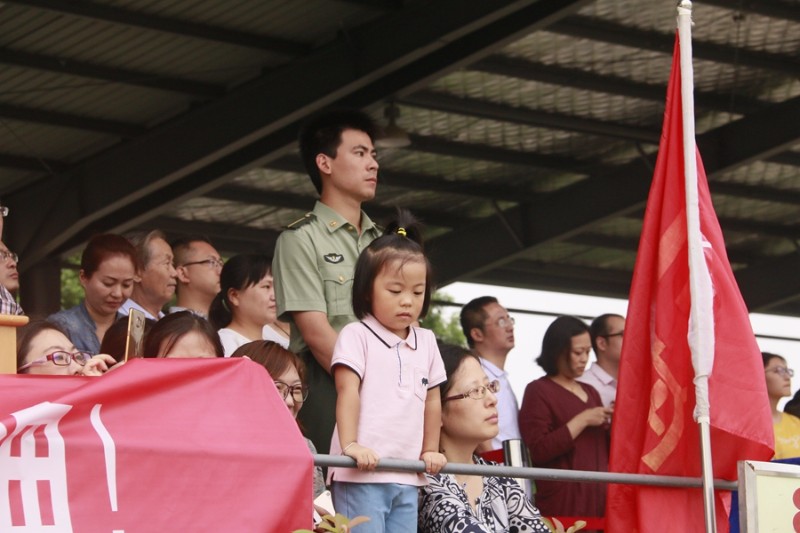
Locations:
column 395, row 377
column 787, row 437
column 314, row 265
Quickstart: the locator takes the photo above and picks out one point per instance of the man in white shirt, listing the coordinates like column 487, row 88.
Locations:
column 490, row 334
column 155, row 282
column 606, row 331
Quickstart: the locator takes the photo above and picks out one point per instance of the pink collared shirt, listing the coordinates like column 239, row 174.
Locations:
column 602, row 381
column 395, row 377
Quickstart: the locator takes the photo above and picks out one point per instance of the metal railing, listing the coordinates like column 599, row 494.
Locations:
column 398, row 465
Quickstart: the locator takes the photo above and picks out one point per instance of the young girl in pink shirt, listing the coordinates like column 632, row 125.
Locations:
column 387, row 373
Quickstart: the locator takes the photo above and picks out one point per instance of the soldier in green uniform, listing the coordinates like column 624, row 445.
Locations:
column 315, row 257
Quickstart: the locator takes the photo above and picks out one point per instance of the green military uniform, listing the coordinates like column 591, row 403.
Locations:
column 313, row 267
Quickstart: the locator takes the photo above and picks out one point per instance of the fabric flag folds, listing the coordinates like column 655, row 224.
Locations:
column 157, row 445
column 654, row 431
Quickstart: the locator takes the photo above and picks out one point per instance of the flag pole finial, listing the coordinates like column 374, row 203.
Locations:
column 685, row 8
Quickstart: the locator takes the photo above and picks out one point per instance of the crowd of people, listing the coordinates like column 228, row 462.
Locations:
column 334, row 318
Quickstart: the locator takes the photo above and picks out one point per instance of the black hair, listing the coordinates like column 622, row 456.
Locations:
column 793, row 406
column 174, row 326
column 557, row 342
column 27, row 333
column 452, row 357
column 115, row 339
column 767, row 357
column 182, row 246
column 599, row 328
column 322, row 134
column 240, row 272
column 474, row 315
column 272, row 356
column 401, row 241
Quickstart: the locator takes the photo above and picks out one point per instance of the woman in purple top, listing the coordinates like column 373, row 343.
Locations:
column 564, row 424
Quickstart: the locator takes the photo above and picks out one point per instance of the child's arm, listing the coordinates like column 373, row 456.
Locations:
column 434, row 461
column 348, row 407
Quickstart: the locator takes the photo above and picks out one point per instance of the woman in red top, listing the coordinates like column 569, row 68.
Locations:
column 564, row 424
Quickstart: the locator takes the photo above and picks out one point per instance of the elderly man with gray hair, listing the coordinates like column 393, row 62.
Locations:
column 154, row 285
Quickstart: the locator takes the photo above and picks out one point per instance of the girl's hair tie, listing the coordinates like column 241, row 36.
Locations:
column 401, row 232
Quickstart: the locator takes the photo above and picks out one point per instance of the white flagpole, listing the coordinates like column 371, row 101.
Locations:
column 701, row 318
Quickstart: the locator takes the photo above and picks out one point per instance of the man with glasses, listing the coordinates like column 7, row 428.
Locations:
column 9, row 282
column 490, row 334
column 154, row 284
column 606, row 331
column 198, row 266
column 9, row 277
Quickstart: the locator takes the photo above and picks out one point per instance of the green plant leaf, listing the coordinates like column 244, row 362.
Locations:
column 577, row 526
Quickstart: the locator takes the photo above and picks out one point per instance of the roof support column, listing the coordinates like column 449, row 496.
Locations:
column 40, row 288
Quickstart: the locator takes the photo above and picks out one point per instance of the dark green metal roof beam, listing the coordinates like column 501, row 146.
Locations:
column 186, row 28
column 191, row 154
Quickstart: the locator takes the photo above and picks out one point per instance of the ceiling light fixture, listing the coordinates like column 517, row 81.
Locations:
column 393, row 135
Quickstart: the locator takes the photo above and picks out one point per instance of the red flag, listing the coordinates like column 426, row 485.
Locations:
column 654, row 431
column 157, row 445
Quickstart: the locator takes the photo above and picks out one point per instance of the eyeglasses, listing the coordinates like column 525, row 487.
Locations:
column 505, row 321
column 782, row 371
column 212, row 263
column 478, row 393
column 299, row 392
column 3, row 211
column 5, row 256
column 60, row 359
column 617, row 334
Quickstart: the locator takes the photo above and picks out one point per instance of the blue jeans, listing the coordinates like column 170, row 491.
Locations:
column 390, row 507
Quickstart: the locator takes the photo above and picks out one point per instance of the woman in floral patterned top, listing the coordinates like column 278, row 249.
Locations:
column 457, row 503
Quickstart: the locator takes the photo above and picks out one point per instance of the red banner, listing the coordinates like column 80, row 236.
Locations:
column 157, row 445
column 654, row 431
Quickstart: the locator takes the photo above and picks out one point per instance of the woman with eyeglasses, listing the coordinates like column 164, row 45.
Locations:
column 779, row 385
column 287, row 371
column 246, row 301
column 108, row 268
column 43, row 348
column 564, row 424
column 459, row 503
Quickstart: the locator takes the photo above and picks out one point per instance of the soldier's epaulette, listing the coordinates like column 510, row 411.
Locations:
column 302, row 221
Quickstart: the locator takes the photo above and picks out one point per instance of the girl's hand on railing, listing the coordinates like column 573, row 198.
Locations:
column 434, row 462
column 366, row 458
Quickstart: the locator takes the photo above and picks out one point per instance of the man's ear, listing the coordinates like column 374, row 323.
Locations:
column 602, row 344
column 182, row 277
column 323, row 163
column 476, row 334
